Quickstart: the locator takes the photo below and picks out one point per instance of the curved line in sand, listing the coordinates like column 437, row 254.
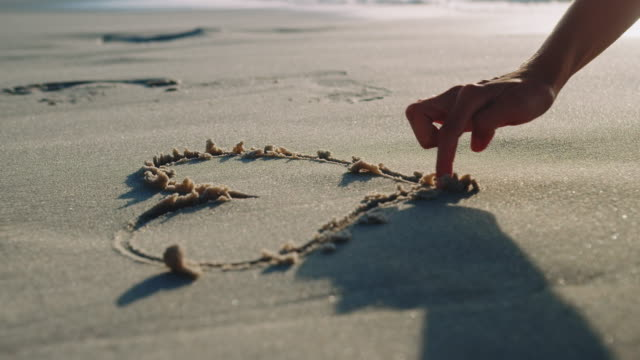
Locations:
column 158, row 173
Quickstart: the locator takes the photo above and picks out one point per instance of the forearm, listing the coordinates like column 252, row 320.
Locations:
column 587, row 28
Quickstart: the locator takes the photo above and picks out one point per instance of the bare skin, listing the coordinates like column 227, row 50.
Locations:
column 587, row 28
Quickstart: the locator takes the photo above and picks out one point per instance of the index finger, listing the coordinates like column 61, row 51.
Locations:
column 470, row 99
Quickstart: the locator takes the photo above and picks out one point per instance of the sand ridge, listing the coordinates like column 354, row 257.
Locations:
column 158, row 174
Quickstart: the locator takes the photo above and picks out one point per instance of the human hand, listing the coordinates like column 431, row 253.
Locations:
column 480, row 108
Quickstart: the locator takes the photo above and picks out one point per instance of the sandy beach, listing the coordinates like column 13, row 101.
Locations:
column 542, row 263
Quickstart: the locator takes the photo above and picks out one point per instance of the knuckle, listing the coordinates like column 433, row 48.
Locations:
column 481, row 125
column 470, row 90
column 455, row 89
column 447, row 131
column 411, row 110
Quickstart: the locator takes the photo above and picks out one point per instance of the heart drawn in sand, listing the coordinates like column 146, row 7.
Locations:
column 157, row 173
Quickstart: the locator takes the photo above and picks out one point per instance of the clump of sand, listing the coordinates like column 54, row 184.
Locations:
column 340, row 236
column 188, row 154
column 239, row 148
column 156, row 177
column 284, row 151
column 279, row 259
column 199, row 194
column 373, row 218
column 457, row 185
column 328, row 248
column 174, row 258
column 361, row 166
column 324, row 154
column 186, row 186
column 213, row 149
column 429, row 179
column 253, row 154
column 288, row 247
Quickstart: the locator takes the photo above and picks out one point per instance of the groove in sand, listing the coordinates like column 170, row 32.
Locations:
column 158, row 174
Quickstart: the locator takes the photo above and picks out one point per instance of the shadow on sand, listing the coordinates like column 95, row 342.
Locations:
column 138, row 190
column 482, row 297
column 152, row 285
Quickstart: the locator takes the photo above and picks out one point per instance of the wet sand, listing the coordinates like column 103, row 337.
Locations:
column 542, row 263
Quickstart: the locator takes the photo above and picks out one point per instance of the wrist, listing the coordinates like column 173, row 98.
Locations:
column 553, row 74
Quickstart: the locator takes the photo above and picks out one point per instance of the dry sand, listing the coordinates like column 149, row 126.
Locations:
column 543, row 263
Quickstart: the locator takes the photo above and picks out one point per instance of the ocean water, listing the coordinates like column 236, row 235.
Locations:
column 243, row 4
column 541, row 15
column 369, row 9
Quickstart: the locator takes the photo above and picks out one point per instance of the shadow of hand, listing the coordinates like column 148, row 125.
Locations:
column 483, row 297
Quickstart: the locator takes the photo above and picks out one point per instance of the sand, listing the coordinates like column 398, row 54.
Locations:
column 542, row 263
column 158, row 174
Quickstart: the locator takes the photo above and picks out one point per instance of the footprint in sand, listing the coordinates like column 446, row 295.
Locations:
column 343, row 89
column 292, row 30
column 73, row 91
column 318, row 86
column 159, row 174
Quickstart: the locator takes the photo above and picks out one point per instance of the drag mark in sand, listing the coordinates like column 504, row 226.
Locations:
column 62, row 85
column 142, row 39
column 158, row 174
